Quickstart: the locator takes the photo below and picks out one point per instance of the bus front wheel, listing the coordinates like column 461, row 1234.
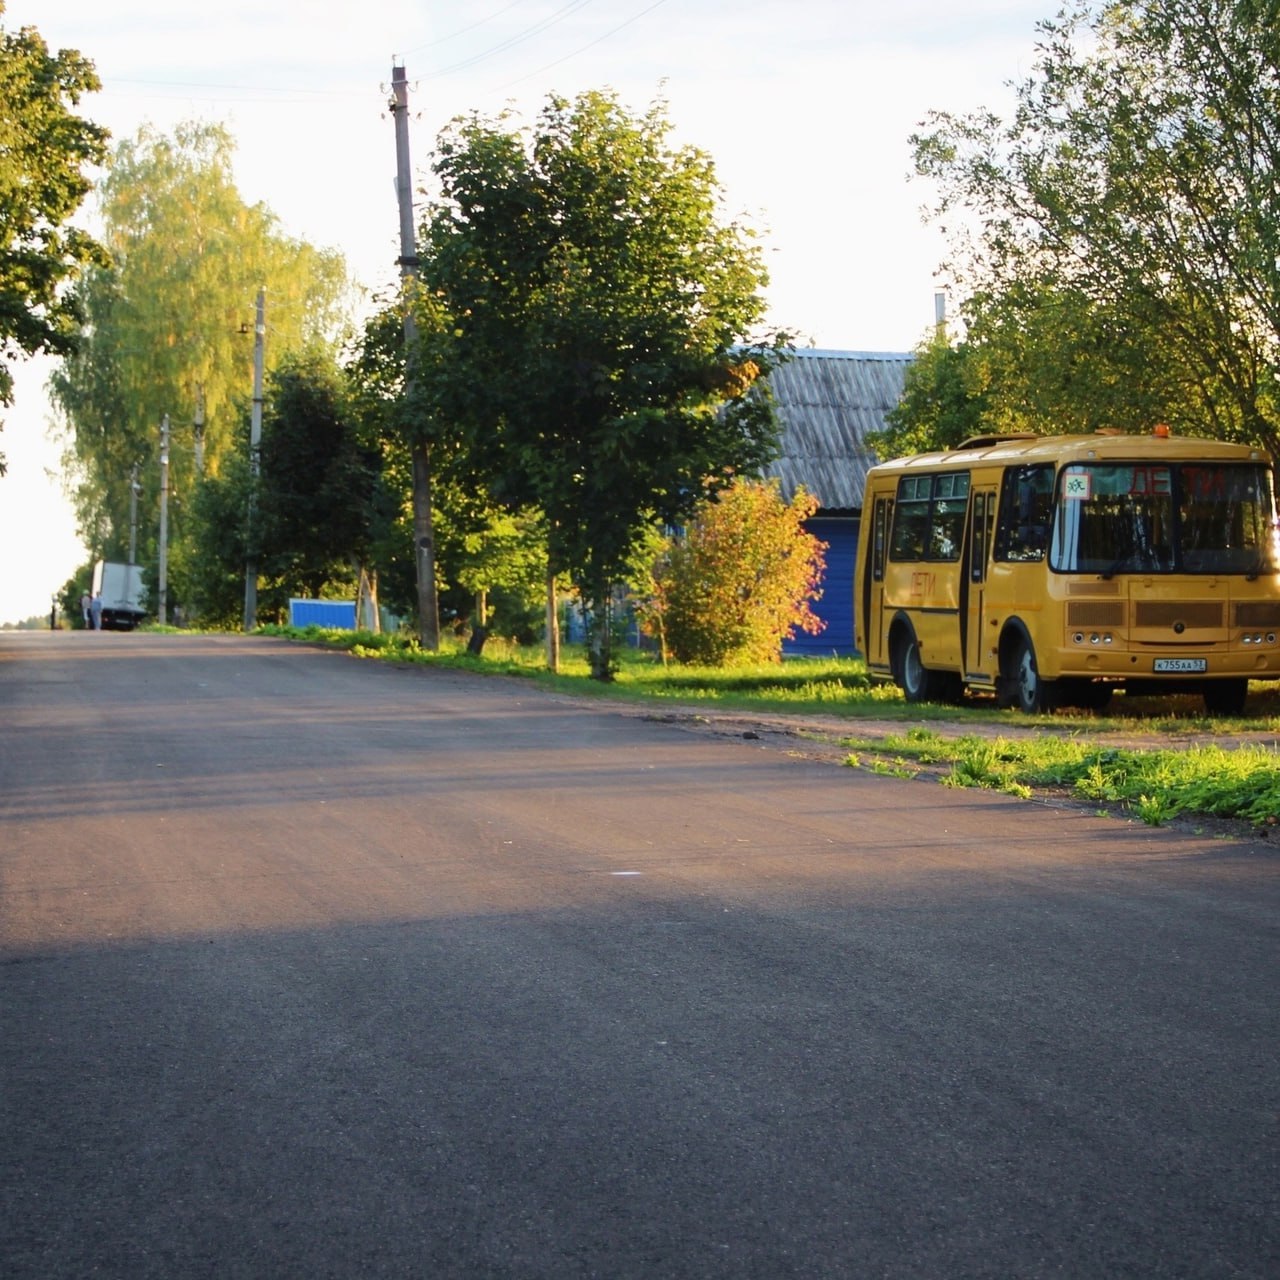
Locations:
column 1225, row 697
column 1025, row 689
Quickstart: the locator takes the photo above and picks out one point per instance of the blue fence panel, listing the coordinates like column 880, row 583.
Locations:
column 338, row 614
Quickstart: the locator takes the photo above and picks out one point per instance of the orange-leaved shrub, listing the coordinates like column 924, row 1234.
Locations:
column 738, row 581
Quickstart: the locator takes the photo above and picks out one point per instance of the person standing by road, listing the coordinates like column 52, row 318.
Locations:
column 86, row 603
column 95, row 611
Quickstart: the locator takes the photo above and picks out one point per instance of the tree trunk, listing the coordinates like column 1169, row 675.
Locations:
column 598, row 601
column 425, row 551
column 480, row 629
column 368, row 616
column 553, row 625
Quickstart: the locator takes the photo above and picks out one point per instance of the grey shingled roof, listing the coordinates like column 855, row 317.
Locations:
column 828, row 402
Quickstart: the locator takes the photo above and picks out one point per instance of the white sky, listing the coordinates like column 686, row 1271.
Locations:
column 805, row 107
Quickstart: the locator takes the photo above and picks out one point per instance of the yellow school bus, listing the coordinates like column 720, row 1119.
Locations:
column 1052, row 570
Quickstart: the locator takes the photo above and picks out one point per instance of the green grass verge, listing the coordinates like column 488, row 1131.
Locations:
column 1157, row 785
column 1239, row 782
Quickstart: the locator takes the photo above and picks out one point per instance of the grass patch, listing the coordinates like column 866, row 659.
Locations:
column 1241, row 783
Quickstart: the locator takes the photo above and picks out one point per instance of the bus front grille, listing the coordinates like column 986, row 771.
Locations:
column 1258, row 613
column 1200, row 614
column 1095, row 613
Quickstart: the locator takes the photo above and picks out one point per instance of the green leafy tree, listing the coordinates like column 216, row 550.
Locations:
column 1118, row 237
column 500, row 559
column 943, row 401
column 213, row 576
column 169, row 322
column 481, row 550
column 320, row 506
column 739, row 581
column 1029, row 362
column 593, row 299
column 45, row 149
column 320, row 500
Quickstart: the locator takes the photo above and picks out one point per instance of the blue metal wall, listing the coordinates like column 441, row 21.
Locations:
column 338, row 614
column 836, row 606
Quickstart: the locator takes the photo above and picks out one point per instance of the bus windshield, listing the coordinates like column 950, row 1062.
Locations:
column 1165, row 517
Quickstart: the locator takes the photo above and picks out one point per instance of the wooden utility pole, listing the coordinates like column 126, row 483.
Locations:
column 255, row 462
column 162, row 606
column 420, row 452
column 197, row 431
column 134, row 489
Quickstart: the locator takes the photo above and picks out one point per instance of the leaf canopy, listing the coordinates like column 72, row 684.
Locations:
column 590, row 305
column 1118, row 239
column 46, row 152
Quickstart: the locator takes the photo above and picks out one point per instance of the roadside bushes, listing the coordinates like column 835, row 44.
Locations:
column 738, row 581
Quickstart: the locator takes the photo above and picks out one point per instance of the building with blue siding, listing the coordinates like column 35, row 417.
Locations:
column 828, row 403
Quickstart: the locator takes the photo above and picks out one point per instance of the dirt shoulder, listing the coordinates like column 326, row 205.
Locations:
column 826, row 739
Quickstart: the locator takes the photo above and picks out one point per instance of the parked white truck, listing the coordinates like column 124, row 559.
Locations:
column 124, row 598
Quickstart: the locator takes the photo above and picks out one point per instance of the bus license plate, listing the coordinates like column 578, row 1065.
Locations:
column 1181, row 664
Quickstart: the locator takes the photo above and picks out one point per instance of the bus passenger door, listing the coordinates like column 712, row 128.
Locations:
column 978, row 661
column 876, row 653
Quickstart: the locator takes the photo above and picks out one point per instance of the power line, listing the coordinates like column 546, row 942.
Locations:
column 555, row 18
column 262, row 93
column 462, row 31
column 591, row 44
column 268, row 94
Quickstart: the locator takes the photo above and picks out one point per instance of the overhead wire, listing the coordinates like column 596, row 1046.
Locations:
column 538, row 27
column 462, row 31
column 591, row 44
column 262, row 93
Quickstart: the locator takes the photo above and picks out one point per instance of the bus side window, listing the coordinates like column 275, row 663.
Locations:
column 910, row 519
column 928, row 517
column 1026, row 513
column 946, row 525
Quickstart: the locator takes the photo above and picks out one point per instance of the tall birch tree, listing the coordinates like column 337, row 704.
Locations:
column 169, row 322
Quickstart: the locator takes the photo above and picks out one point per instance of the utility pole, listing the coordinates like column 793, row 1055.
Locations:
column 423, row 531
column 197, row 431
column 162, row 615
column 255, row 452
column 134, row 489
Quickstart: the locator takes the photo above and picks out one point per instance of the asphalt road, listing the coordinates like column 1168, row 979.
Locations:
column 317, row 967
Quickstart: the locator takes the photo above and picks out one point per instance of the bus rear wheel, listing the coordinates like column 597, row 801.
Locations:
column 917, row 682
column 1225, row 697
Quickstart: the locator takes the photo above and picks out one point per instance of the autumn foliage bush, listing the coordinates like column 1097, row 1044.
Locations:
column 738, row 581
